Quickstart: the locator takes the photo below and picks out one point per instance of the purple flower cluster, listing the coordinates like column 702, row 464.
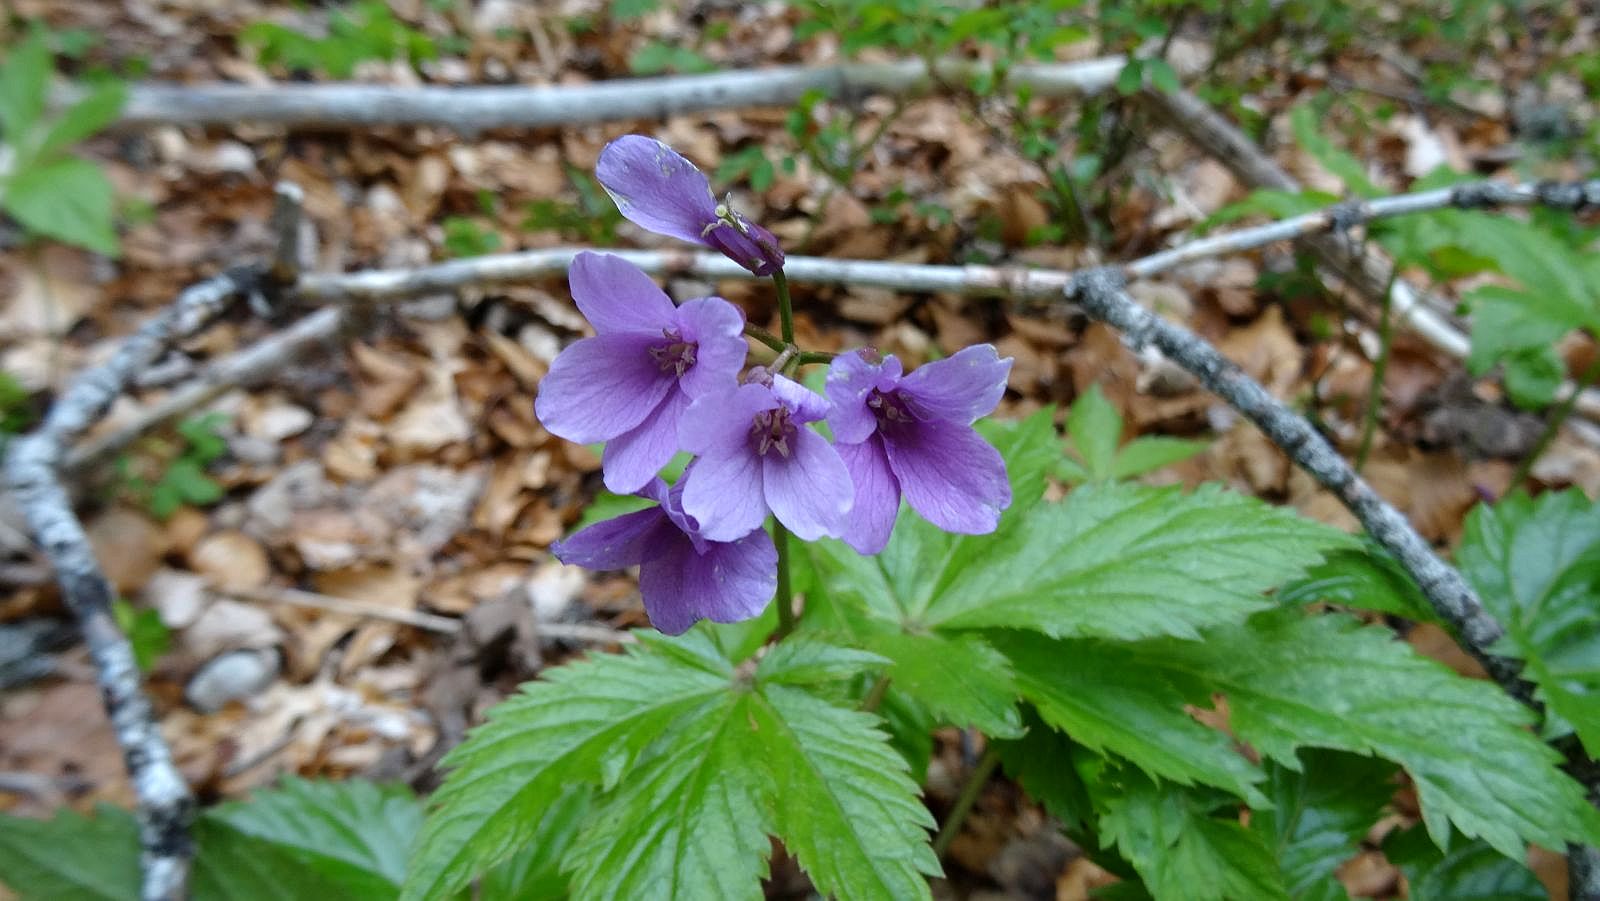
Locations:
column 657, row 379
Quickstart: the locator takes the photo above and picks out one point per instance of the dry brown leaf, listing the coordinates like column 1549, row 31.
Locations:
column 129, row 546
column 231, row 559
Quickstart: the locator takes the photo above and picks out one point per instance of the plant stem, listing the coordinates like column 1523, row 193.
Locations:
column 785, row 310
column 1369, row 426
column 967, row 798
column 1553, row 427
column 764, row 336
column 874, row 698
column 785, row 597
column 808, row 357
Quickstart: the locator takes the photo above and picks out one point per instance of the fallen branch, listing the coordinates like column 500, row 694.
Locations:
column 32, row 471
column 351, row 107
column 1363, row 268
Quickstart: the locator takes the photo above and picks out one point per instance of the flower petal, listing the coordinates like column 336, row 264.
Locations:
column 601, row 387
column 850, row 379
column 633, row 458
column 877, row 495
column 747, row 244
column 723, row 493
column 717, row 329
column 654, row 187
column 804, row 404
column 615, row 296
column 627, row 540
column 719, row 423
column 949, row 475
column 959, row 388
column 809, row 490
column 731, row 581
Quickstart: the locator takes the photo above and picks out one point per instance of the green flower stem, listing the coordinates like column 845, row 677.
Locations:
column 785, row 597
column 875, row 695
column 1553, row 427
column 764, row 336
column 808, row 357
column 968, row 797
column 785, row 309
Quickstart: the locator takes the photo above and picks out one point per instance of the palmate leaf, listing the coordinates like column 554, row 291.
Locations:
column 697, row 765
column 1179, row 848
column 1128, row 562
column 961, row 678
column 1465, row 871
column 1319, row 814
column 1294, row 681
column 1536, row 564
column 584, row 722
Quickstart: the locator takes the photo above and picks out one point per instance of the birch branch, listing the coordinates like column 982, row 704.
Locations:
column 32, row 472
column 1368, row 272
column 468, row 110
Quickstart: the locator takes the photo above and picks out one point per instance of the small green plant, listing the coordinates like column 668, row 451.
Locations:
column 364, row 31
column 14, row 413
column 182, row 476
column 593, row 219
column 1094, row 430
column 149, row 636
column 49, row 190
column 465, row 236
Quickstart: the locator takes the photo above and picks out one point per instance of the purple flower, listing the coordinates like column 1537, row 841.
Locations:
column 683, row 576
column 628, row 385
column 913, row 436
column 756, row 455
column 656, row 188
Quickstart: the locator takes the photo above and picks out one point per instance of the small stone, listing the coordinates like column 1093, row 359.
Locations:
column 233, row 676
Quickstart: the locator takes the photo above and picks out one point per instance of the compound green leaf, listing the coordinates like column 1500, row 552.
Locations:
column 71, row 856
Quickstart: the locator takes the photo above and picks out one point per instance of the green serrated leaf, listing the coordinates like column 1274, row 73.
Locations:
column 1532, row 376
column 97, row 109
column 67, row 199
column 24, row 79
column 1163, row 77
column 71, row 856
column 1468, row 871
column 584, row 722
column 1098, row 693
column 1294, row 680
column 1131, row 78
column 534, row 872
column 1320, row 812
column 687, row 822
column 352, row 838
column 1153, row 452
column 1536, row 565
column 1130, row 561
column 868, row 842
column 805, row 661
column 1307, row 127
column 961, row 679
column 1041, row 760
column 1179, row 849
column 1366, row 578
column 1095, row 427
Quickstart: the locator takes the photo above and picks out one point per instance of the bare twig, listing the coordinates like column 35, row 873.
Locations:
column 469, row 110
column 255, row 363
column 32, row 472
column 1368, row 272
column 431, row 622
column 1099, row 292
